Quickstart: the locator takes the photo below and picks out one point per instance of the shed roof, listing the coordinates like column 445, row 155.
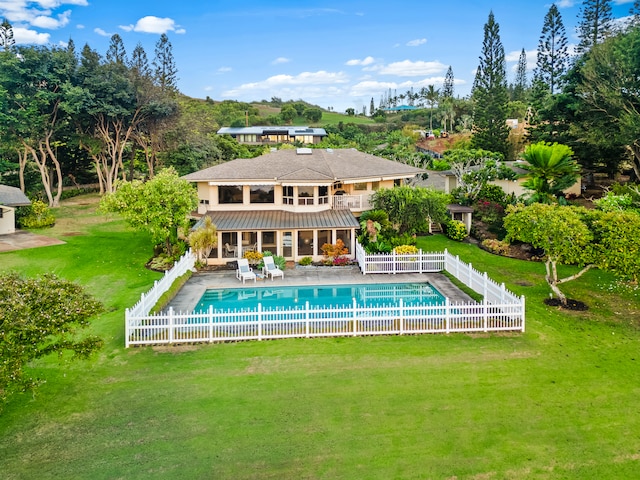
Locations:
column 13, row 197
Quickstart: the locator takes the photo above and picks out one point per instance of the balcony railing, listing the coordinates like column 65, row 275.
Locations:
column 351, row 202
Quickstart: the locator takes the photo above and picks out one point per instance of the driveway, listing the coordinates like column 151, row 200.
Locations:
column 22, row 239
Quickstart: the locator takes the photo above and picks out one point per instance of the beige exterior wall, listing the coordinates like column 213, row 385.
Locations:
column 7, row 221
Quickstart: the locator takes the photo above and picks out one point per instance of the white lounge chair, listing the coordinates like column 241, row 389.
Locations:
column 270, row 269
column 244, row 271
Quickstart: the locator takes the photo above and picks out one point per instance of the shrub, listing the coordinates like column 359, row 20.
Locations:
column 497, row 247
column 334, row 251
column 252, row 256
column 456, row 230
column 405, row 249
column 36, row 215
column 304, row 261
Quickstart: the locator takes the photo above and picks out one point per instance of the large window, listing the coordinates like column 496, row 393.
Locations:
column 324, row 236
column 323, row 195
column 229, row 194
column 262, row 194
column 305, row 242
column 345, row 236
column 305, row 195
column 287, row 195
column 360, row 186
column 269, row 242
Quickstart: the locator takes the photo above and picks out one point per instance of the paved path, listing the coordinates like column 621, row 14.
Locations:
column 188, row 297
column 22, row 239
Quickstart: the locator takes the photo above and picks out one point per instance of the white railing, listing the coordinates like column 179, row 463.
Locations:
column 350, row 202
column 312, row 321
column 135, row 314
column 500, row 310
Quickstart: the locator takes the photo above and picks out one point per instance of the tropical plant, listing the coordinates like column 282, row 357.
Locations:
column 203, row 239
column 456, row 230
column 551, row 170
column 36, row 215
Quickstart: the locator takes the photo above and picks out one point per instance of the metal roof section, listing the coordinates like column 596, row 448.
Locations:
column 13, row 197
column 274, row 130
column 280, row 220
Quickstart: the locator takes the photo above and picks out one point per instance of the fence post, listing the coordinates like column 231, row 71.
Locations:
column 171, row 321
column 259, row 321
column 445, row 262
column 523, row 310
column 502, row 293
column 210, row 317
column 355, row 320
column 401, row 317
column 394, row 260
column 486, row 280
column 127, row 328
column 447, row 314
column 484, row 309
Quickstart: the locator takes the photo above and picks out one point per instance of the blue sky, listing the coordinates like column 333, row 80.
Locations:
column 336, row 54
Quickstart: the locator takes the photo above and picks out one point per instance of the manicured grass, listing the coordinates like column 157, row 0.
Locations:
column 333, row 118
column 560, row 401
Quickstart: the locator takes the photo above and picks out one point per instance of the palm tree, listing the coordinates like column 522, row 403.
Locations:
column 432, row 95
column 551, row 170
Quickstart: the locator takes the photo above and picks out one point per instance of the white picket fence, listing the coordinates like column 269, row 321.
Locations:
column 500, row 310
column 149, row 299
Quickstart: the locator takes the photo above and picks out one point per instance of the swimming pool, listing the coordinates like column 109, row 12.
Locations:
column 319, row 296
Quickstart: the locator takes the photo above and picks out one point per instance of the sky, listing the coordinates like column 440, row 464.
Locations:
column 335, row 54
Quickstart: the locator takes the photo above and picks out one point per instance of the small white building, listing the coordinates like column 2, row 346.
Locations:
column 10, row 197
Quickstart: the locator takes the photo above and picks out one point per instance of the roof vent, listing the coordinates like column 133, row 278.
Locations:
column 304, row 151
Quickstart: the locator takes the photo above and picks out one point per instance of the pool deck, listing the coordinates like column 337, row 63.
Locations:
column 189, row 295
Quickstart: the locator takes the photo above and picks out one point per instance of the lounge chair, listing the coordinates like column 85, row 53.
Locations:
column 244, row 271
column 270, row 269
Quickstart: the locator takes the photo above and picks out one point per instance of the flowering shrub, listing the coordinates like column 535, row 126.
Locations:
column 489, row 212
column 456, row 230
column 496, row 246
column 252, row 256
column 405, row 249
column 341, row 261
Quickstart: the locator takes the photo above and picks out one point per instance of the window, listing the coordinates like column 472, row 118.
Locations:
column 375, row 186
column 345, row 236
column 229, row 194
column 287, row 195
column 305, row 242
column 324, row 236
column 323, row 195
column 204, row 202
column 360, row 186
column 269, row 242
column 397, row 182
column 261, row 194
column 305, row 195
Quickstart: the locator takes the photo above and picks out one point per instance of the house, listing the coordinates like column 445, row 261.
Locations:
column 509, row 186
column 401, row 109
column 268, row 135
column 291, row 202
column 10, row 197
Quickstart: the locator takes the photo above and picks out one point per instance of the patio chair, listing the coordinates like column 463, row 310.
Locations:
column 270, row 269
column 230, row 251
column 244, row 271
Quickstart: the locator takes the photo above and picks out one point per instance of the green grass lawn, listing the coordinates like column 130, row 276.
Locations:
column 560, row 401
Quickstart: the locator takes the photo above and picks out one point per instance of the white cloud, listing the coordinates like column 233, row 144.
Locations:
column 224, row 69
column 39, row 13
column 51, row 23
column 280, row 60
column 24, row 35
column 152, row 24
column 304, row 85
column 102, row 33
column 365, row 61
column 417, row 42
column 565, row 3
column 407, row 68
column 531, row 55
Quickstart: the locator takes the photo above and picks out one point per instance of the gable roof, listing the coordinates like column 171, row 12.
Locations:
column 306, row 165
column 13, row 197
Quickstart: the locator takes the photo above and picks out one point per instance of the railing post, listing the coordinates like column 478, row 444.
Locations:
column 355, row 320
column 401, row 326
column 523, row 311
column 171, row 321
column 486, row 280
column 259, row 312
column 394, row 260
column 210, row 318
column 484, row 309
column 447, row 314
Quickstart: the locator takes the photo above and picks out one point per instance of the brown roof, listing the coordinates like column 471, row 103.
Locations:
column 315, row 165
column 281, row 220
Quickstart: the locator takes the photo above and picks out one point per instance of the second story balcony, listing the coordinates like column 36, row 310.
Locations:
column 351, row 202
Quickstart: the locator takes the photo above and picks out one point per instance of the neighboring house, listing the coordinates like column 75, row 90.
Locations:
column 291, row 202
column 273, row 135
column 509, row 186
column 400, row 109
column 10, row 197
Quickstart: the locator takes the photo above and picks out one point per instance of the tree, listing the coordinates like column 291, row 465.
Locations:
column 519, row 87
column 39, row 316
column 617, row 237
column 553, row 58
column 372, row 107
column 634, row 12
column 350, row 112
column 116, row 52
column 609, row 89
column 447, row 86
column 159, row 206
column 431, row 95
column 6, row 36
column 203, row 239
column 473, row 169
column 559, row 231
column 313, row 114
column 411, row 208
column 288, row 113
column 489, row 95
column 551, row 170
column 166, row 72
column 595, row 24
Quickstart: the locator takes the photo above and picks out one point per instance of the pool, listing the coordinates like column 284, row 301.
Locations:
column 319, row 296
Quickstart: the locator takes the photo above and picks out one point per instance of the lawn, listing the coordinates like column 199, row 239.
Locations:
column 559, row 401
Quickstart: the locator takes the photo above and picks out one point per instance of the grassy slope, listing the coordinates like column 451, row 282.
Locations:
column 559, row 401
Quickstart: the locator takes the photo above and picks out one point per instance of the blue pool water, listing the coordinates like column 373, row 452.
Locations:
column 320, row 296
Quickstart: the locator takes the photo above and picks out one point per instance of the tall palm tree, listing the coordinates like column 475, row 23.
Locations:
column 551, row 170
column 432, row 95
